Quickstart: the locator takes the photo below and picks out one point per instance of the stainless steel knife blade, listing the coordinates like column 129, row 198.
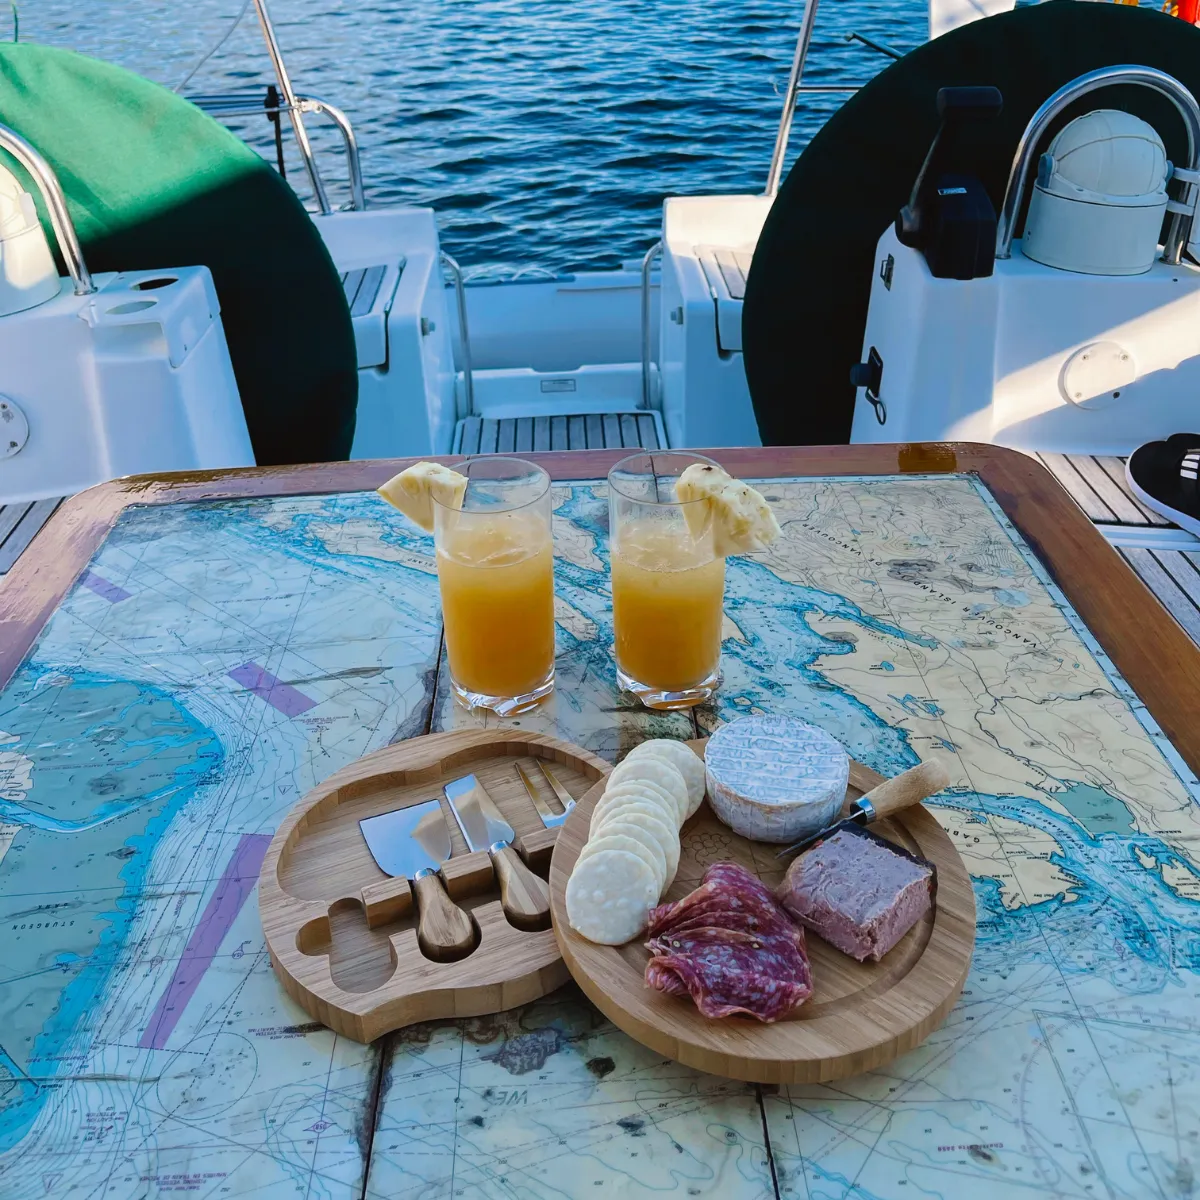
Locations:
column 483, row 825
column 524, row 896
column 885, row 800
column 410, row 840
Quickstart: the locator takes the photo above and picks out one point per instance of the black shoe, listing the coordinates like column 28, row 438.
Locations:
column 1165, row 476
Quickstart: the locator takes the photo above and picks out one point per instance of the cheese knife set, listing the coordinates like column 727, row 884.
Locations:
column 758, row 906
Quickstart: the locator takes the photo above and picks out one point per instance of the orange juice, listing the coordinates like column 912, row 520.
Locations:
column 666, row 607
column 497, row 581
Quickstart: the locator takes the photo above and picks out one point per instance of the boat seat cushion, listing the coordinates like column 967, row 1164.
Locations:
column 151, row 182
column 810, row 282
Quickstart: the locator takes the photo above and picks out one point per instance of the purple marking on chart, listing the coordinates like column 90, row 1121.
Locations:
column 274, row 691
column 233, row 887
column 102, row 587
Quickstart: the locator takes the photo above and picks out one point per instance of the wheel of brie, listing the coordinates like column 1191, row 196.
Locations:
column 775, row 779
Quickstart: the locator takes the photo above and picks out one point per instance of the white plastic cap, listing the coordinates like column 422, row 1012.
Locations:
column 1106, row 155
column 28, row 276
column 17, row 210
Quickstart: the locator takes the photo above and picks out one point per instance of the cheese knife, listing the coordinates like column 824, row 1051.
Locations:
column 888, row 798
column 523, row 896
column 413, row 843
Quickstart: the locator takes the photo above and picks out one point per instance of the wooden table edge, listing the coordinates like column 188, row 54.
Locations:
column 1152, row 652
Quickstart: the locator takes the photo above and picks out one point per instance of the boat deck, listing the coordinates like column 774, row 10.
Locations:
column 19, row 525
column 584, row 431
column 1166, row 557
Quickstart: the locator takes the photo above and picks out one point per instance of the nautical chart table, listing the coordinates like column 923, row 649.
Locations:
column 180, row 659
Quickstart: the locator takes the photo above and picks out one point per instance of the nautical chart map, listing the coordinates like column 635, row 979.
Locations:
column 219, row 659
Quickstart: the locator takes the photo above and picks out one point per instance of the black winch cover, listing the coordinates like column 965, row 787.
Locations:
column 810, row 281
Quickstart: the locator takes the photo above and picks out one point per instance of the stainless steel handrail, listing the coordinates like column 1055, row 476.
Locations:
column 789, row 100
column 56, row 205
column 233, row 105
column 1149, row 77
column 647, row 261
column 464, row 337
column 358, row 196
column 291, row 104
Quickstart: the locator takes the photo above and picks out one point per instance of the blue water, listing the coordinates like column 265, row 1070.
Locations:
column 545, row 132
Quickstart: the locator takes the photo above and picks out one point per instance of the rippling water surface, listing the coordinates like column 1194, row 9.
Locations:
column 545, row 132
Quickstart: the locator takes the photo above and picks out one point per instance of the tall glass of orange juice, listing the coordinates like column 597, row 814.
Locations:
column 495, row 564
column 667, row 585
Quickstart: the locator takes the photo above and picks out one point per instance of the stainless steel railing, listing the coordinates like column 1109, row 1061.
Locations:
column 56, row 205
column 647, row 264
column 789, row 100
column 796, row 88
column 291, row 104
column 464, row 336
column 235, row 105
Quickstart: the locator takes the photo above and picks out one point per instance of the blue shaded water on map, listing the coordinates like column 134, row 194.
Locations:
column 90, row 736
column 543, row 132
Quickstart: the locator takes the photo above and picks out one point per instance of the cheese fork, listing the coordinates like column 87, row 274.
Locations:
column 549, row 817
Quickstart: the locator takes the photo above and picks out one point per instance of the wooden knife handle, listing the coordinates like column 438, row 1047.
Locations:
column 445, row 932
column 909, row 788
column 524, row 897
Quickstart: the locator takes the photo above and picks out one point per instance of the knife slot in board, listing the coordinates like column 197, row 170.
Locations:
column 343, row 933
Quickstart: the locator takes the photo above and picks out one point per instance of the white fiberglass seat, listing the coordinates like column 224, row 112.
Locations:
column 708, row 245
column 409, row 392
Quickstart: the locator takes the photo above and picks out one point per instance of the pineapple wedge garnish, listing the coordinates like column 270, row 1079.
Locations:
column 742, row 520
column 415, row 489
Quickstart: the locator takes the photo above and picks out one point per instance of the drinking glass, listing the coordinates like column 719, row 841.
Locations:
column 667, row 584
column 495, row 564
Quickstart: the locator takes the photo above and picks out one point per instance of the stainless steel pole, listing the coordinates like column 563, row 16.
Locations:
column 289, row 99
column 789, row 102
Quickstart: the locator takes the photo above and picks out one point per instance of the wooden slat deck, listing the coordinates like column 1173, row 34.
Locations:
column 362, row 288
column 19, row 525
column 582, row 431
column 1165, row 557
column 731, row 266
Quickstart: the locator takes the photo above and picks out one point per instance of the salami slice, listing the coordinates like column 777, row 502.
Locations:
column 731, row 947
column 725, row 886
column 727, row 972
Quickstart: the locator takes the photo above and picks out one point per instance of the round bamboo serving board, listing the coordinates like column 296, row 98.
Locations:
column 860, row 1016
column 342, row 934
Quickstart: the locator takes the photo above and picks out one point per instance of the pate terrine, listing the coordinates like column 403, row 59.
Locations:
column 859, row 892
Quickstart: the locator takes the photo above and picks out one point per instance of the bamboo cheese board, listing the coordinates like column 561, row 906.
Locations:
column 343, row 934
column 860, row 1016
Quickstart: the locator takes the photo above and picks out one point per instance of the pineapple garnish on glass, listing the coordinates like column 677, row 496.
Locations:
column 674, row 517
column 490, row 521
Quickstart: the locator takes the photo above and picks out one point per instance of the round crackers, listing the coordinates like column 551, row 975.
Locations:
column 636, row 789
column 688, row 763
column 636, row 815
column 609, row 896
column 655, row 770
column 645, row 848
